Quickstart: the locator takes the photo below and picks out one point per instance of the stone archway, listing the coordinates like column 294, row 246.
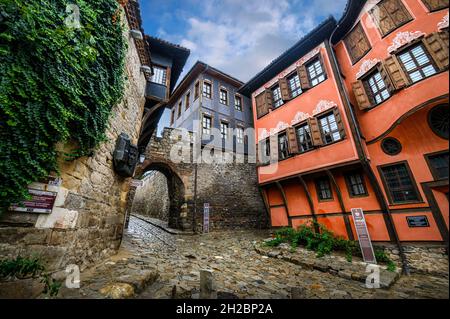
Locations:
column 176, row 192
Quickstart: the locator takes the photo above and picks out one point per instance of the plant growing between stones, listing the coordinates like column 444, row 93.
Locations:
column 58, row 85
column 323, row 242
column 24, row 268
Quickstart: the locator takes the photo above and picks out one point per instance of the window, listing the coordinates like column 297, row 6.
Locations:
column 399, row 183
column 207, row 90
column 357, row 43
column 323, row 188
column 438, row 120
column 294, row 85
column 304, row 138
column 417, row 63
column 188, row 100
column 438, row 165
column 266, row 147
column 276, row 96
column 391, row 146
column 240, row 135
column 434, row 5
column 283, row 150
column 223, row 96
column 329, row 128
column 376, row 88
column 159, row 75
column 206, row 125
column 179, row 109
column 224, row 130
column 316, row 72
column 172, row 116
column 197, row 90
column 355, row 184
column 238, row 103
column 390, row 15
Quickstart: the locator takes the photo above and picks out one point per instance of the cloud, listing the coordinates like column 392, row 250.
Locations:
column 242, row 37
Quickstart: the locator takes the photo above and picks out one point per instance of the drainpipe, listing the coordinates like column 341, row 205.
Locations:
column 365, row 161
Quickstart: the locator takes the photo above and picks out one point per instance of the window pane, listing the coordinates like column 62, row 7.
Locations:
column 159, row 75
column 399, row 183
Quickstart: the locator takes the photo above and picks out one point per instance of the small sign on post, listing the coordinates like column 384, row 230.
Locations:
column 206, row 217
column 363, row 236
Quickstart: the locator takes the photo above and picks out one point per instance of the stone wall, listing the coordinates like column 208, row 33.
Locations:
column 86, row 223
column 152, row 198
column 231, row 189
column 423, row 258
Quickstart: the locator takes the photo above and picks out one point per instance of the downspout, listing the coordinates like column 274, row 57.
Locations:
column 363, row 157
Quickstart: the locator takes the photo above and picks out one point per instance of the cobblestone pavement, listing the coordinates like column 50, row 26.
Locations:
column 238, row 270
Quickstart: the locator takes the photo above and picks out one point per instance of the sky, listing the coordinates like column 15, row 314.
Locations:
column 239, row 37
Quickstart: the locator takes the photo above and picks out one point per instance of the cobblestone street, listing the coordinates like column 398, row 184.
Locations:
column 162, row 261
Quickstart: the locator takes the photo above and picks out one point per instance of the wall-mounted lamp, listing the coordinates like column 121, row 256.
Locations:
column 136, row 34
column 146, row 69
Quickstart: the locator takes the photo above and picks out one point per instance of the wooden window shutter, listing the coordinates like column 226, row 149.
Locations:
column 389, row 15
column 323, row 65
column 257, row 155
column 285, row 95
column 444, row 37
column 437, row 49
column 262, row 108
column 357, row 43
column 292, row 140
column 315, row 131
column 386, row 78
column 361, row 95
column 383, row 19
column 398, row 76
column 269, row 99
column 339, row 122
column 303, row 76
column 434, row 5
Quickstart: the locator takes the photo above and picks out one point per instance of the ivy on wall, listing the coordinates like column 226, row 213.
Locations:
column 58, row 84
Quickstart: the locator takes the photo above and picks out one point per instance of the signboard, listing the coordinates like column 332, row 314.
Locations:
column 206, row 217
column 417, row 221
column 137, row 183
column 41, row 202
column 363, row 236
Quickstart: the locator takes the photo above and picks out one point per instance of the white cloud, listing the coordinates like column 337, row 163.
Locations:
column 242, row 37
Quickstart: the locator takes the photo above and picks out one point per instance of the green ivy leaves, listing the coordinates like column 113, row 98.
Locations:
column 57, row 84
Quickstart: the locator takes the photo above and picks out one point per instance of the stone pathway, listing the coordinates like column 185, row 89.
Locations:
column 161, row 265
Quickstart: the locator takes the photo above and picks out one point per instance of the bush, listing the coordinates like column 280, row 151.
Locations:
column 323, row 242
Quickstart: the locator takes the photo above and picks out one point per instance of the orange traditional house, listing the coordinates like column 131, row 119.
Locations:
column 324, row 150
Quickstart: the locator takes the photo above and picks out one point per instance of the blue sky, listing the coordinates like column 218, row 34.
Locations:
column 239, row 37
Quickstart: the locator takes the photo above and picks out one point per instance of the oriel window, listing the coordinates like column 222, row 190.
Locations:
column 294, row 85
column 329, row 128
column 417, row 63
column 304, row 138
column 316, row 72
column 276, row 94
column 207, row 90
column 283, row 151
column 159, row 75
column 206, row 125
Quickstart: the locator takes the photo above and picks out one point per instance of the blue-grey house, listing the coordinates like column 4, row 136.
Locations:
column 207, row 98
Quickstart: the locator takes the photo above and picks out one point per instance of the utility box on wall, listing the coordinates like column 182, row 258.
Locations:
column 125, row 156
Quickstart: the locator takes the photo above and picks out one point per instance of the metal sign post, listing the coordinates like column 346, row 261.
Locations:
column 206, row 217
column 363, row 236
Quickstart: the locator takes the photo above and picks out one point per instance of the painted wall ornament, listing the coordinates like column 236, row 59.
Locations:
column 366, row 66
column 403, row 38
column 443, row 24
column 324, row 105
column 299, row 117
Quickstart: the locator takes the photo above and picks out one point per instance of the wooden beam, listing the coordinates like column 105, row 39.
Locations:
column 266, row 203
column 341, row 203
column 283, row 194
column 308, row 196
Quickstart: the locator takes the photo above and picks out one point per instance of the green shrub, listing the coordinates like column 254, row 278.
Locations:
column 316, row 237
